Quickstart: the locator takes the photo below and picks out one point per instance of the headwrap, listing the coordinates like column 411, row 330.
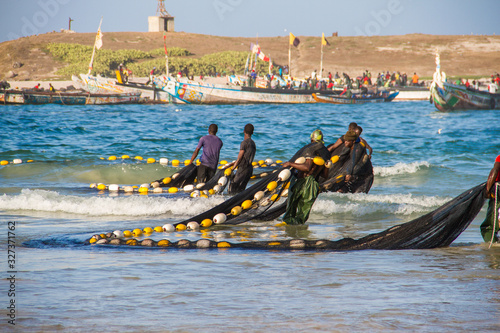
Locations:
column 350, row 136
column 317, row 136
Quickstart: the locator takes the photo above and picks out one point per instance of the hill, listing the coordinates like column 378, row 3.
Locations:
column 464, row 55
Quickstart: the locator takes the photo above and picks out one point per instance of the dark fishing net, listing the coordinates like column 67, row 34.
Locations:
column 236, row 200
column 355, row 162
column 266, row 209
column 184, row 177
column 438, row 228
column 187, row 175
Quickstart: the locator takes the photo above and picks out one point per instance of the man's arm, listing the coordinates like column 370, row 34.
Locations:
column 370, row 150
column 335, row 145
column 239, row 158
column 196, row 151
column 306, row 167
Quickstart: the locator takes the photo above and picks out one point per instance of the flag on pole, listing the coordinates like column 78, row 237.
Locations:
column 165, row 42
column 255, row 48
column 294, row 40
column 323, row 40
column 98, row 39
column 262, row 56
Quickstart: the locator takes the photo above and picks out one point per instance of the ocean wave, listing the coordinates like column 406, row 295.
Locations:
column 134, row 205
column 400, row 168
column 368, row 204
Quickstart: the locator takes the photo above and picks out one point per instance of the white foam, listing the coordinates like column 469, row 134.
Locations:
column 134, row 205
column 365, row 204
column 400, row 168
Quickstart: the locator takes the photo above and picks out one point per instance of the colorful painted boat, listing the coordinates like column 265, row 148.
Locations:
column 191, row 92
column 98, row 84
column 356, row 98
column 11, row 97
column 67, row 98
column 447, row 96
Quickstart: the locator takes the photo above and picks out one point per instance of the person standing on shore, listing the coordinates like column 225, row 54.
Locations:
column 243, row 162
column 490, row 226
column 209, row 160
column 414, row 79
column 151, row 75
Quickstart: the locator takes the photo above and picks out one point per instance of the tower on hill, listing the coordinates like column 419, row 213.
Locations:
column 163, row 21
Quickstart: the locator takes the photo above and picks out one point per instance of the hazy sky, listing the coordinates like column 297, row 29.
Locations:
column 248, row 18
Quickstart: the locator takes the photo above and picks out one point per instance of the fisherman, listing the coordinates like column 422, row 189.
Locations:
column 414, row 79
column 51, row 88
column 253, row 75
column 151, row 75
column 123, row 72
column 243, row 162
column 358, row 131
column 489, row 228
column 352, row 127
column 359, row 174
column 304, row 188
column 209, row 160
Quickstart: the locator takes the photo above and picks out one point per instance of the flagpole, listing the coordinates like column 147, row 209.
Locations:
column 289, row 57
column 166, row 52
column 166, row 63
column 93, row 52
column 321, row 64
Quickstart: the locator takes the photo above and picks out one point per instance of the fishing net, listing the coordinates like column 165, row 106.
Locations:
column 355, row 162
column 266, row 209
column 438, row 228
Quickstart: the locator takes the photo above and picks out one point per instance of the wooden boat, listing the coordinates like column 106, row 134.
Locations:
column 11, row 97
column 66, row 98
column 356, row 98
column 191, row 92
column 448, row 97
column 98, row 84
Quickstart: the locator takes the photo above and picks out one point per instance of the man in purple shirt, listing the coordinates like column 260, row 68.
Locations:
column 210, row 156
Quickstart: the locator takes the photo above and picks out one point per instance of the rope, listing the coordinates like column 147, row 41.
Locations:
column 60, row 97
column 495, row 216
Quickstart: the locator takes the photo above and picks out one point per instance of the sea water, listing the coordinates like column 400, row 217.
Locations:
column 422, row 158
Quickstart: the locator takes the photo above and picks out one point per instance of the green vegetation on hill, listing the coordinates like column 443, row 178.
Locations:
column 140, row 63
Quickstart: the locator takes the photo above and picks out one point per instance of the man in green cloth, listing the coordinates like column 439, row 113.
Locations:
column 304, row 188
column 490, row 226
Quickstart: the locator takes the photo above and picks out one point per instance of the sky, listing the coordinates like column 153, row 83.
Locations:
column 249, row 18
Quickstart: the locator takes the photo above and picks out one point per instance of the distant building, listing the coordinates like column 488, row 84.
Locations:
column 163, row 21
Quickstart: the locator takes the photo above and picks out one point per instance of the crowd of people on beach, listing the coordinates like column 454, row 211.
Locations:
column 316, row 81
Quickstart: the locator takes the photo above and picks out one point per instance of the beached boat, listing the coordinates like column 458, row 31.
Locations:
column 191, row 92
column 413, row 93
column 11, row 97
column 66, row 98
column 98, row 84
column 355, row 98
column 447, row 96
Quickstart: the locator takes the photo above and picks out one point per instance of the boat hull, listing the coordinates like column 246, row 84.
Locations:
column 199, row 93
column 67, row 98
column 103, row 85
column 355, row 100
column 11, row 97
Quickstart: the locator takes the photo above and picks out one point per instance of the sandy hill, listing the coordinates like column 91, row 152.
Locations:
column 462, row 55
